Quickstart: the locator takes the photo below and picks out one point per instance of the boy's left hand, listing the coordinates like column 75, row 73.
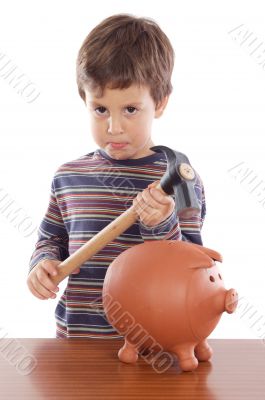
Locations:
column 152, row 206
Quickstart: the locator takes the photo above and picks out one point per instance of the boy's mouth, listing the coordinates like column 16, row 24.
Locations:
column 117, row 145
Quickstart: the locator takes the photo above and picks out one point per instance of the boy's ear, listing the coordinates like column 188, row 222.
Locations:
column 161, row 106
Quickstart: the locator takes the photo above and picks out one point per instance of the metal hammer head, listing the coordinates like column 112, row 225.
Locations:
column 179, row 179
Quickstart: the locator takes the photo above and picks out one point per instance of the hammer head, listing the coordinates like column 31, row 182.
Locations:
column 179, row 179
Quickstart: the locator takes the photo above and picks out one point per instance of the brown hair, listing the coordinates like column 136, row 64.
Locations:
column 124, row 50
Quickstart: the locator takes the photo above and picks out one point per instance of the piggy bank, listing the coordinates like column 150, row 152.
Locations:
column 166, row 295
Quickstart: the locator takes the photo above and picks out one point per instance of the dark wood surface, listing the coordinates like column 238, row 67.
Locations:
column 89, row 369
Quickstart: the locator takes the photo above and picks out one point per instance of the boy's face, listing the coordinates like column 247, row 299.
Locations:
column 121, row 120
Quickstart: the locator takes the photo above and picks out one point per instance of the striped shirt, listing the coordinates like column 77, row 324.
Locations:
column 86, row 195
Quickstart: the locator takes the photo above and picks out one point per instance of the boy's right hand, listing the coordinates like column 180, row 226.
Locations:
column 39, row 281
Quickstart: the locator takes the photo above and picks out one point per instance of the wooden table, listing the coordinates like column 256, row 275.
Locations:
column 89, row 369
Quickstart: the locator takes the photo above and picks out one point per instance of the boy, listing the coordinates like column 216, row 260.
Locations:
column 124, row 72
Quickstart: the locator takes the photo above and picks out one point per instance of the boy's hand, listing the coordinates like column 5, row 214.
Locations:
column 152, row 206
column 39, row 279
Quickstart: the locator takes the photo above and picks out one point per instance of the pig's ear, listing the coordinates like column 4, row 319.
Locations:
column 205, row 257
column 211, row 253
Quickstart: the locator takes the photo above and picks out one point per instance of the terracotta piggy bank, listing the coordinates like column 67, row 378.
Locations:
column 166, row 295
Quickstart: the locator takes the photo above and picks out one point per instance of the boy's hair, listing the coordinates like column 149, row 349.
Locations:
column 124, row 50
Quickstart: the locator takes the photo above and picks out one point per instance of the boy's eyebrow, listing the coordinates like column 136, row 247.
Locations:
column 135, row 103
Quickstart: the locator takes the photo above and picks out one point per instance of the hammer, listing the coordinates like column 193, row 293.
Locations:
column 178, row 179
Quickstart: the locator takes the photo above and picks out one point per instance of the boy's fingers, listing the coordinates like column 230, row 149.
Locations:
column 153, row 184
column 76, row 271
column 144, row 210
column 155, row 199
column 44, row 285
column 149, row 199
column 35, row 293
column 43, row 291
column 159, row 197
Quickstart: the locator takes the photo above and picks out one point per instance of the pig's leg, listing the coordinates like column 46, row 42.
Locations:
column 185, row 355
column 128, row 353
column 203, row 351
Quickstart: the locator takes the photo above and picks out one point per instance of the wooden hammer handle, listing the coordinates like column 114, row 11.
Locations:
column 97, row 242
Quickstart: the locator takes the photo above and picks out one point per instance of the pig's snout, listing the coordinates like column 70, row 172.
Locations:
column 231, row 300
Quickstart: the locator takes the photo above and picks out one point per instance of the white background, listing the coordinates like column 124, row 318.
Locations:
column 215, row 116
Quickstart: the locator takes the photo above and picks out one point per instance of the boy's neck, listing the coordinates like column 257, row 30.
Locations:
column 149, row 156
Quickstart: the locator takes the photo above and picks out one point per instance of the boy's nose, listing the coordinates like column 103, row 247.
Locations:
column 115, row 126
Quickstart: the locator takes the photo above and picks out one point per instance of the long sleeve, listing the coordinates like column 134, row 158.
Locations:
column 191, row 227
column 166, row 230
column 52, row 235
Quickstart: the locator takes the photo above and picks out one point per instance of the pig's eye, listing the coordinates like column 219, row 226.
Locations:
column 219, row 276
column 211, row 278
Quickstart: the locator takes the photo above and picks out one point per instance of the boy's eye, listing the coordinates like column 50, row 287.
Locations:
column 131, row 110
column 100, row 110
